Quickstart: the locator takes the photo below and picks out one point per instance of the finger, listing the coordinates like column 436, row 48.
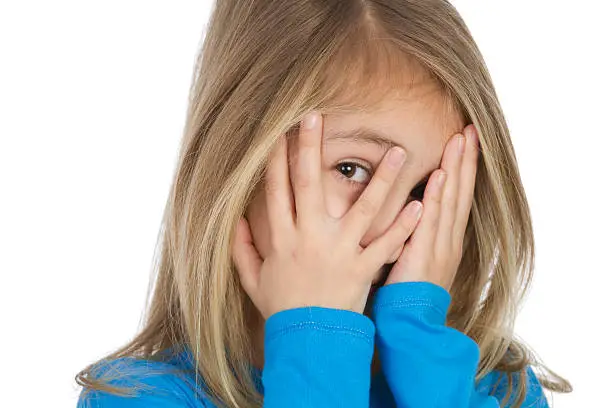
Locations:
column 451, row 163
column 396, row 254
column 279, row 197
column 386, row 245
column 359, row 218
column 307, row 186
column 467, row 183
column 424, row 237
column 247, row 259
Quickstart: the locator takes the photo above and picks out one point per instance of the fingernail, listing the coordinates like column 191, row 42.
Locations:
column 461, row 144
column 416, row 208
column 441, row 178
column 310, row 120
column 473, row 134
column 397, row 156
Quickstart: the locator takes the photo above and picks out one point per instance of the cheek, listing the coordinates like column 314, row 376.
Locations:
column 338, row 199
column 257, row 216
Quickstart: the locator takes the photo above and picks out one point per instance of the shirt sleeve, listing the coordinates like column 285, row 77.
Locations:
column 494, row 385
column 314, row 357
column 425, row 362
column 317, row 357
column 154, row 385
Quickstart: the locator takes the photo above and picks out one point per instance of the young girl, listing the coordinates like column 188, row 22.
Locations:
column 347, row 225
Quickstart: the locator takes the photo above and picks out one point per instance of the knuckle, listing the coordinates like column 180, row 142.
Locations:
column 435, row 196
column 365, row 206
column 271, row 185
column 302, row 180
column 385, row 175
column 402, row 178
column 384, row 182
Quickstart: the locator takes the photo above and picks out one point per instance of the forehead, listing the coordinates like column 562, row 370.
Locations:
column 420, row 120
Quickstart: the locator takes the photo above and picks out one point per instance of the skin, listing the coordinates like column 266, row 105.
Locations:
column 282, row 248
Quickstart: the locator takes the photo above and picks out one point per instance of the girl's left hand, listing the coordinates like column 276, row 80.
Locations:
column 434, row 250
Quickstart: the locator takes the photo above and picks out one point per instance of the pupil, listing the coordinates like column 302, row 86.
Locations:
column 350, row 167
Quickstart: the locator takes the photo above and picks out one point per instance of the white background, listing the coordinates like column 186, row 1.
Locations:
column 92, row 102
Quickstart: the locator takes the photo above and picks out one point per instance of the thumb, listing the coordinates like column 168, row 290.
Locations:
column 246, row 257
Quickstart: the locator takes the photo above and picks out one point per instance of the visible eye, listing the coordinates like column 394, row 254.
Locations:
column 355, row 174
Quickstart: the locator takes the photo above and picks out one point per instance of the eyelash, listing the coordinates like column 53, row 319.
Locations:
column 417, row 192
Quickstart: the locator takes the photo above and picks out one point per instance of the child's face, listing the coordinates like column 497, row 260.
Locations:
column 418, row 122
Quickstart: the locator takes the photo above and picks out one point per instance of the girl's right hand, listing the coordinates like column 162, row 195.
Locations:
column 316, row 259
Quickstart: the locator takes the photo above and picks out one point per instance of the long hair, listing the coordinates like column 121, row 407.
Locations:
column 262, row 65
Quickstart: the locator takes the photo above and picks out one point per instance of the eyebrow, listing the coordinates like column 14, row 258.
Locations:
column 369, row 136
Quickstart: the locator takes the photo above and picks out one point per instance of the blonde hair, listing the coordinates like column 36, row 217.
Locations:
column 263, row 64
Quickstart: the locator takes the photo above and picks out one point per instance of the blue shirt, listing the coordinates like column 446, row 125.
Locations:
column 321, row 357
